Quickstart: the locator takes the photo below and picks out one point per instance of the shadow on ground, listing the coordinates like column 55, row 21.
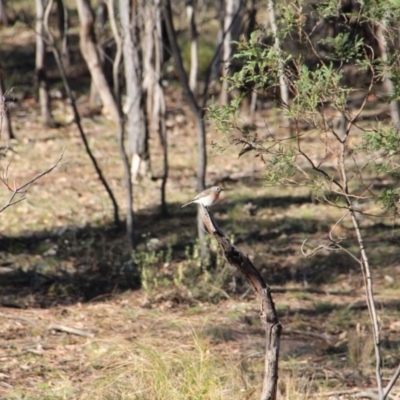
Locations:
column 89, row 263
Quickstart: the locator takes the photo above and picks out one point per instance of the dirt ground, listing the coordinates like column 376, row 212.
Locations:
column 75, row 301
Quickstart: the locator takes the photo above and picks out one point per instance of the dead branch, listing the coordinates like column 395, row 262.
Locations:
column 23, row 189
column 390, row 385
column 18, row 318
column 355, row 393
column 268, row 315
column 73, row 331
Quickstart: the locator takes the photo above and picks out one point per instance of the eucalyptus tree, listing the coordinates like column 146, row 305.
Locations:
column 334, row 60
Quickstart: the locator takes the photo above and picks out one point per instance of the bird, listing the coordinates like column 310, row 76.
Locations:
column 207, row 198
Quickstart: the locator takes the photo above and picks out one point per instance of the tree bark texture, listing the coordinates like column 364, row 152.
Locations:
column 92, row 58
column 194, row 62
column 284, row 89
column 153, row 61
column 6, row 132
column 3, row 14
column 41, row 79
column 63, row 23
column 387, row 82
column 130, row 227
column 137, row 129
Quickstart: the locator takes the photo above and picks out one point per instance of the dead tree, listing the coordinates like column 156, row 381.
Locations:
column 268, row 315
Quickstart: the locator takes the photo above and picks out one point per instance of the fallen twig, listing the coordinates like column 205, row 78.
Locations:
column 19, row 318
column 73, row 331
column 355, row 393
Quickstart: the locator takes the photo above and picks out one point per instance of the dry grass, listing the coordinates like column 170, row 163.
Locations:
column 62, row 261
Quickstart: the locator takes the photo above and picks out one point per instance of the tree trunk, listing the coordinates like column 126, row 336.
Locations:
column 92, row 58
column 3, row 14
column 6, row 132
column 283, row 85
column 137, row 129
column 41, row 79
column 153, row 61
column 198, row 114
column 193, row 46
column 388, row 83
column 232, row 24
column 130, row 228
column 62, row 16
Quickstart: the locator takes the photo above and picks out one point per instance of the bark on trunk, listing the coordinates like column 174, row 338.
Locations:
column 284, row 89
column 231, row 28
column 388, row 83
column 153, row 60
column 130, row 228
column 6, row 132
column 137, row 130
column 190, row 12
column 41, row 79
column 3, row 14
column 62, row 16
column 91, row 56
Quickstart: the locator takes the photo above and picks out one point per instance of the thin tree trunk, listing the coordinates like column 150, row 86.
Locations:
column 283, row 85
column 130, row 228
column 387, row 82
column 190, row 12
column 215, row 67
column 41, row 79
column 6, row 132
column 153, row 52
column 77, row 118
column 231, row 29
column 137, row 128
column 3, row 14
column 198, row 114
column 62, row 14
column 92, row 58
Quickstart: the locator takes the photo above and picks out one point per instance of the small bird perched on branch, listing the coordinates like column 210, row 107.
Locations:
column 207, row 198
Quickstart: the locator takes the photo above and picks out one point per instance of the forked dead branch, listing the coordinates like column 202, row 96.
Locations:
column 18, row 192
column 268, row 315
